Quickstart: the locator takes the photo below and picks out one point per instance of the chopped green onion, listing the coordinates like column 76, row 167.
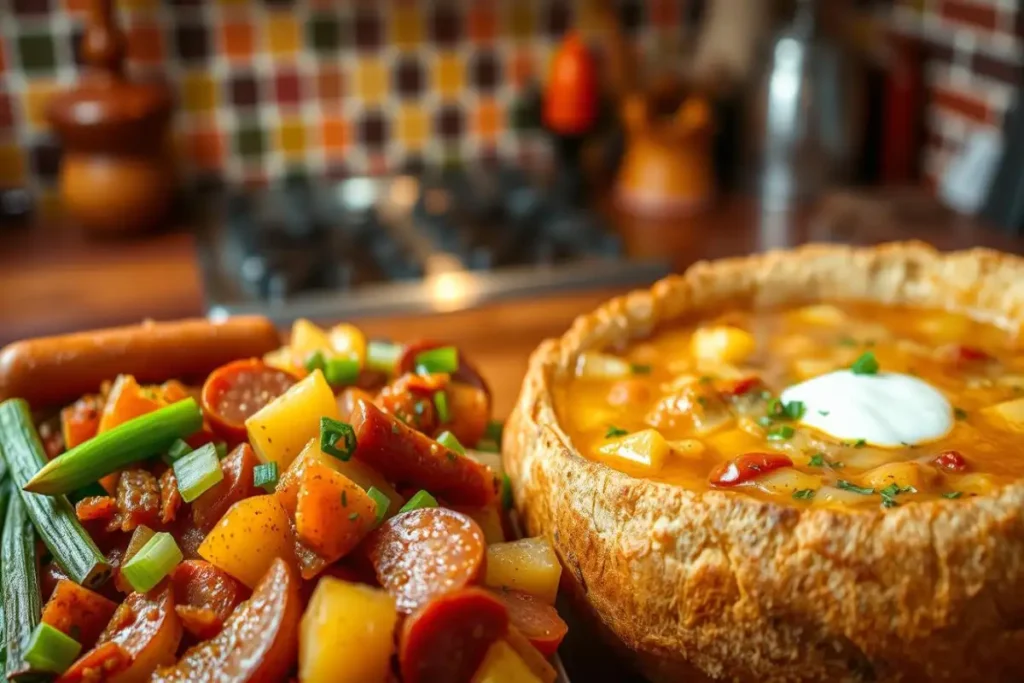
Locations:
column 53, row 516
column 817, row 460
column 334, row 431
column 494, row 431
column 178, row 450
column 22, row 597
column 50, row 650
column 140, row 537
column 441, row 405
column 152, row 563
column 341, row 372
column 960, row 413
column 614, row 431
column 860, row 443
column 137, row 439
column 640, row 368
column 781, row 433
column 507, row 500
column 449, row 441
column 221, row 448
column 265, row 476
column 383, row 356
column 765, row 421
column 197, row 472
column 382, row 501
column 443, row 359
column 804, row 494
column 952, row 495
column 421, row 499
column 314, row 361
column 847, row 486
column 866, row 364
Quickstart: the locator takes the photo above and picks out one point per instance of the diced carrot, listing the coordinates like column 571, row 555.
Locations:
column 109, row 482
column 127, row 400
column 78, row 612
column 80, row 420
column 93, row 508
column 333, row 513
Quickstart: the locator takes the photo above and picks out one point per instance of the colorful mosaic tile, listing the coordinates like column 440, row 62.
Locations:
column 278, row 88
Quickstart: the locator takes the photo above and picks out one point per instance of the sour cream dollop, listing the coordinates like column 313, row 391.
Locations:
column 886, row 409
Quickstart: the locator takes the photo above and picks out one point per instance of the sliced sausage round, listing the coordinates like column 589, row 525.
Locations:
column 536, row 620
column 236, row 391
column 447, row 639
column 425, row 553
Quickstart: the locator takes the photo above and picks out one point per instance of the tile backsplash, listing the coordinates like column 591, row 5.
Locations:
column 267, row 88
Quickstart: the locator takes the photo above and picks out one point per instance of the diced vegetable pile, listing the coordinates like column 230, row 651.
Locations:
column 334, row 511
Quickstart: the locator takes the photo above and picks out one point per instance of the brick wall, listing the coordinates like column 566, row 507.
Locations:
column 975, row 57
column 271, row 87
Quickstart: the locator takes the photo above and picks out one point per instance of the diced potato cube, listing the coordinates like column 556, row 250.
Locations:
column 248, row 538
column 1009, row 413
column 787, row 481
column 902, row 474
column 820, row 314
column 529, row 565
column 977, row 483
column 945, row 327
column 722, row 344
column 282, row 428
column 596, row 365
column 307, row 338
column 833, row 495
column 349, row 341
column 503, row 665
column 642, row 452
column 687, row 448
column 347, row 634
column 281, row 358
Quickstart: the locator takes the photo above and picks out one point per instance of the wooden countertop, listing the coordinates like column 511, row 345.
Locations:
column 54, row 280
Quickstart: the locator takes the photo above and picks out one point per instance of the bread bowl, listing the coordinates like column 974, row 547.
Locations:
column 712, row 583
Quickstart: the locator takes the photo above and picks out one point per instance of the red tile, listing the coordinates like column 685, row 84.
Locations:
column 3, row 58
column 288, row 88
column 145, row 44
column 964, row 104
column 330, row 84
column 981, row 14
column 6, row 112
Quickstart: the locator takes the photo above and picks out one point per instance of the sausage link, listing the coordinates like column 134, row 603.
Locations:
column 50, row 371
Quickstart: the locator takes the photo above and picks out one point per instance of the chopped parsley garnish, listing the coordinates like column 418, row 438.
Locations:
column 765, row 421
column 640, row 368
column 952, row 495
column 847, row 486
column 344, row 499
column 817, row 460
column 860, row 443
column 823, row 412
column 705, row 379
column 847, row 341
column 795, row 410
column 804, row 494
column 890, row 492
column 781, row 433
column 614, row 431
column 702, row 401
column 960, row 413
column 866, row 364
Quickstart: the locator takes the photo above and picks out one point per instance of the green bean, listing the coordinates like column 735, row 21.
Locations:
column 22, row 599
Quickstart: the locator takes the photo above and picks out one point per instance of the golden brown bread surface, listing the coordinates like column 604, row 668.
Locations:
column 49, row 371
column 746, row 590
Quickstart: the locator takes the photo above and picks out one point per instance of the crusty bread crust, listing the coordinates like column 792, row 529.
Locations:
column 746, row 590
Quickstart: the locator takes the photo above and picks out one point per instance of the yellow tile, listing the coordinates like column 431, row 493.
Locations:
column 413, row 129
column 12, row 166
column 291, row 139
column 198, row 92
column 371, row 81
column 37, row 97
column 449, row 74
column 519, row 20
column 407, row 26
column 282, row 33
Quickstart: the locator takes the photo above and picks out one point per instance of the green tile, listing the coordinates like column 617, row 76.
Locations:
column 36, row 52
column 250, row 140
column 325, row 33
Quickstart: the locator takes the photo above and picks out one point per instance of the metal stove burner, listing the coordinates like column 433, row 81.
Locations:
column 374, row 246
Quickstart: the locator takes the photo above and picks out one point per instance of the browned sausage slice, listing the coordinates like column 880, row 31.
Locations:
column 54, row 370
column 421, row 554
column 405, row 456
column 446, row 640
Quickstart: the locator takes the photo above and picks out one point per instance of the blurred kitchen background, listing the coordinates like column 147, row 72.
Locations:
column 434, row 155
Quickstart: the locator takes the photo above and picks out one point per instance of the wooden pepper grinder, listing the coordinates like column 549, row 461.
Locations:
column 117, row 174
